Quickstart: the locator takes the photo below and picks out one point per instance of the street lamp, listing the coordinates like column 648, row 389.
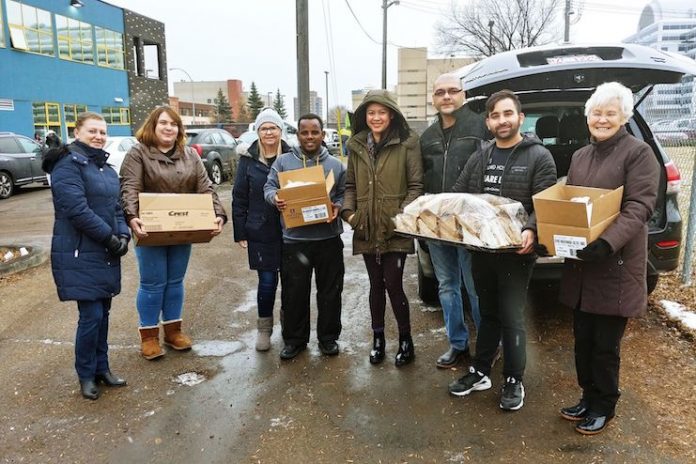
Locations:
column 385, row 4
column 268, row 96
column 193, row 99
column 326, row 73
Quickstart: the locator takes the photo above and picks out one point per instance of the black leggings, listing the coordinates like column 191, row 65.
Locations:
column 386, row 273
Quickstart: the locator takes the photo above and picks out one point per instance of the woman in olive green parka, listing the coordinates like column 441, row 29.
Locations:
column 385, row 173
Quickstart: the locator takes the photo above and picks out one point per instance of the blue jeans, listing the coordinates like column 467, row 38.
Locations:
column 91, row 348
column 162, row 271
column 265, row 295
column 452, row 267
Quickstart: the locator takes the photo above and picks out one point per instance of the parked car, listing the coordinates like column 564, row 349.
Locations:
column 289, row 134
column 117, row 147
column 553, row 84
column 331, row 140
column 216, row 147
column 20, row 163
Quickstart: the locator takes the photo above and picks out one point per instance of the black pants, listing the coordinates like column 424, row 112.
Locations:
column 300, row 260
column 501, row 281
column 386, row 275
column 597, row 359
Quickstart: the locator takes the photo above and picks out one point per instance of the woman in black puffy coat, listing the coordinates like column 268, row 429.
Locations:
column 89, row 237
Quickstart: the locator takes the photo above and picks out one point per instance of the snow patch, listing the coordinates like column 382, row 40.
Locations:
column 680, row 313
column 189, row 379
column 282, row 421
column 217, row 348
column 441, row 330
column 248, row 304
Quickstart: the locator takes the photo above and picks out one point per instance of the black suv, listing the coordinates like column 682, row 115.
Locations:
column 20, row 163
column 553, row 84
column 216, row 147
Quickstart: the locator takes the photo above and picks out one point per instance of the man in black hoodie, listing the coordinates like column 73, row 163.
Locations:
column 516, row 167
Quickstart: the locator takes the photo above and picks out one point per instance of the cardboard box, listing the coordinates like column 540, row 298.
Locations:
column 564, row 226
column 176, row 218
column 307, row 204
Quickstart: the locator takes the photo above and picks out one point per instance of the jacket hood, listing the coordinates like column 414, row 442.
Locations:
column 383, row 97
column 252, row 151
column 297, row 152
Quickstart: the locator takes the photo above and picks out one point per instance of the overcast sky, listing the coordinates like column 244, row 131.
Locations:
column 254, row 40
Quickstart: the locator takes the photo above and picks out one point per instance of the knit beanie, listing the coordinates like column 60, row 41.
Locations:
column 268, row 115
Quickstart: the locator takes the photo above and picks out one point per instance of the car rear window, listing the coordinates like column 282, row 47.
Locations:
column 190, row 137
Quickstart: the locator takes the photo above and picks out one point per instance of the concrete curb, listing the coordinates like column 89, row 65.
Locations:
column 37, row 256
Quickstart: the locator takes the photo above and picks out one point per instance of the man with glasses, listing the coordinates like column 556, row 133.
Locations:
column 446, row 146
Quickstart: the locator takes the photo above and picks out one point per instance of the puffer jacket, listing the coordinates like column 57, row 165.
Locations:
column 87, row 213
column 529, row 169
column 445, row 157
column 616, row 285
column 378, row 189
column 147, row 170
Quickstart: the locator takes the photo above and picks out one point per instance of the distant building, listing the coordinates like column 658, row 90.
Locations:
column 669, row 25
column 57, row 61
column 416, row 75
column 315, row 105
column 205, row 114
column 357, row 97
column 205, row 93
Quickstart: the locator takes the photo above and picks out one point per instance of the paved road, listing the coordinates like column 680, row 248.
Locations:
column 251, row 408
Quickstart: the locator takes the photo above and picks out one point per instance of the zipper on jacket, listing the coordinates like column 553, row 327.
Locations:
column 77, row 245
column 444, row 159
column 507, row 160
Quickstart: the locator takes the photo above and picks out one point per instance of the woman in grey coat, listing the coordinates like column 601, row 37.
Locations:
column 608, row 284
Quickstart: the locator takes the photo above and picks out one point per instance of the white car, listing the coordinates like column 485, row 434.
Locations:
column 117, row 147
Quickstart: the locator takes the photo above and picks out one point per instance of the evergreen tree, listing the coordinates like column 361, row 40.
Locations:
column 279, row 105
column 223, row 112
column 254, row 102
column 243, row 112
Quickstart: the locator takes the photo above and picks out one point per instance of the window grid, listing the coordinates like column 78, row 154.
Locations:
column 74, row 40
column 110, row 49
column 71, row 112
column 116, row 115
column 31, row 27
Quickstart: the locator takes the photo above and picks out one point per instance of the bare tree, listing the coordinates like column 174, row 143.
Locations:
column 485, row 27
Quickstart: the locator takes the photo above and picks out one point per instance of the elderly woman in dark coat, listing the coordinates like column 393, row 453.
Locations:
column 608, row 285
column 89, row 237
column 256, row 223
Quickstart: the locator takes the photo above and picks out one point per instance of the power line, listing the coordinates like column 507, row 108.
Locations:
column 360, row 24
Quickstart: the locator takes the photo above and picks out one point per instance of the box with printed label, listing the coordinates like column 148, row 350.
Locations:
column 176, row 218
column 569, row 217
column 307, row 196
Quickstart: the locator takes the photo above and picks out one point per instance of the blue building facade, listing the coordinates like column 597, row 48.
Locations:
column 57, row 60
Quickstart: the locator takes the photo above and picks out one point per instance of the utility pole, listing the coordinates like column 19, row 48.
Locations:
column 491, row 50
column 385, row 4
column 193, row 98
column 566, row 19
column 302, row 25
column 326, row 74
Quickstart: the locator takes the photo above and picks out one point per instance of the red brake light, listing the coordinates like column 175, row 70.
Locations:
column 199, row 150
column 668, row 244
column 673, row 177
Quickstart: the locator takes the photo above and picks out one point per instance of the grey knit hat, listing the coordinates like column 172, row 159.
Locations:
column 268, row 115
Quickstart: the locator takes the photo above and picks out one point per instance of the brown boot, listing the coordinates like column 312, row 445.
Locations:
column 265, row 330
column 149, row 343
column 174, row 337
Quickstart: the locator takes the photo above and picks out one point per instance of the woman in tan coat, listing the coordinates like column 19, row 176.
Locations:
column 162, row 163
column 608, row 284
column 384, row 174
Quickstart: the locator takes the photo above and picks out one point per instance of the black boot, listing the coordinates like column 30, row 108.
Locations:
column 378, row 344
column 89, row 389
column 406, row 354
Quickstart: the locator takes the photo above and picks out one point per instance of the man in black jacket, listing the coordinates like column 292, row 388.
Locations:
column 446, row 147
column 516, row 167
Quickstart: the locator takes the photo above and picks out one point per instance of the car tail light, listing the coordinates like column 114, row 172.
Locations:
column 199, row 150
column 673, row 177
column 667, row 244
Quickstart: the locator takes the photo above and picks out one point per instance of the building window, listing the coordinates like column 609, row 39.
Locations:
column 116, row 115
column 30, row 28
column 47, row 116
column 2, row 28
column 71, row 112
column 109, row 48
column 74, row 40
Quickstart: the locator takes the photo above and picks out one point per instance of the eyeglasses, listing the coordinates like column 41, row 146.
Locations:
column 452, row 92
column 269, row 130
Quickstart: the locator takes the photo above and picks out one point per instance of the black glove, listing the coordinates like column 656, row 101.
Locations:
column 595, row 251
column 117, row 247
column 540, row 249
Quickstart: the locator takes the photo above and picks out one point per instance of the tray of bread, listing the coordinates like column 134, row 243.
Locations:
column 480, row 222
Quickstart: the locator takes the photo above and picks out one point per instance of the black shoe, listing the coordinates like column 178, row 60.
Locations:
column 575, row 413
column 471, row 382
column 89, row 389
column 593, row 424
column 378, row 346
column 451, row 358
column 329, row 348
column 512, row 397
column 290, row 351
column 110, row 380
column 406, row 353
